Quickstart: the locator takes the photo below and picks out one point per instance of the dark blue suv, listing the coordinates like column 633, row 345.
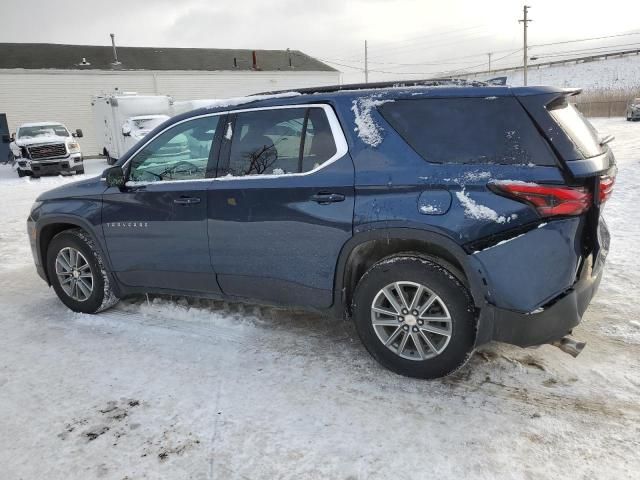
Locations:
column 438, row 217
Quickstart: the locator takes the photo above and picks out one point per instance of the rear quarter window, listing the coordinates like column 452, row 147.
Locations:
column 577, row 128
column 469, row 130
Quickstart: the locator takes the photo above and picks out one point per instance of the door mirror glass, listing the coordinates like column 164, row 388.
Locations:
column 114, row 177
column 180, row 153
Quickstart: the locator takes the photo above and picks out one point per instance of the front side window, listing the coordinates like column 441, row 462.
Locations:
column 280, row 141
column 180, row 153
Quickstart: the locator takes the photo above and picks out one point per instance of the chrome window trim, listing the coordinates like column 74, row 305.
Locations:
column 336, row 131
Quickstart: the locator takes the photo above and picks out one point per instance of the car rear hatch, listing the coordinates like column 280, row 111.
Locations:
column 568, row 246
column 585, row 157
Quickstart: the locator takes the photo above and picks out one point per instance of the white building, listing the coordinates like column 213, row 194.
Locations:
column 56, row 82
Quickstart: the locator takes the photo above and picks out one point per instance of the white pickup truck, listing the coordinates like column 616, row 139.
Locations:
column 46, row 148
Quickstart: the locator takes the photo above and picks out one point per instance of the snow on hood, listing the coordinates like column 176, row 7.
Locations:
column 24, row 141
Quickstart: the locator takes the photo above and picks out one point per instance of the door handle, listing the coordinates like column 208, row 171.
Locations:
column 187, row 200
column 324, row 198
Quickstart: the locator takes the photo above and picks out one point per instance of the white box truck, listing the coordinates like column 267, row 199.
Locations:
column 122, row 119
column 184, row 106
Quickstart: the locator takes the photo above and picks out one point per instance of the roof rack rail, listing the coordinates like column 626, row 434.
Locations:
column 434, row 82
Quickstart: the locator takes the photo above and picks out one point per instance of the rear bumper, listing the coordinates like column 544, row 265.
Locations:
column 552, row 322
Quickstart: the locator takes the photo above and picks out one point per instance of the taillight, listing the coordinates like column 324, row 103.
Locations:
column 606, row 187
column 548, row 200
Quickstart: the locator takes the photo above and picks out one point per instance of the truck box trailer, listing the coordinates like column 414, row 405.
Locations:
column 122, row 119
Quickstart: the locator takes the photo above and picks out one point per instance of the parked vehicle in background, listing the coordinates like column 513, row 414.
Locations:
column 438, row 219
column 46, row 148
column 184, row 106
column 122, row 119
column 633, row 110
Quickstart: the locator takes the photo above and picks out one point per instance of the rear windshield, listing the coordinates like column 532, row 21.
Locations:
column 577, row 127
column 469, row 130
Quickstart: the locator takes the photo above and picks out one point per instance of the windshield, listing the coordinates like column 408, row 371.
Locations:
column 53, row 130
column 578, row 128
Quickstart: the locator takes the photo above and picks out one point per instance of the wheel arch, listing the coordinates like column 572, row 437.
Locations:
column 367, row 248
column 47, row 228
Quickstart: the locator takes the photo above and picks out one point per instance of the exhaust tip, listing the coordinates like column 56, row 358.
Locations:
column 569, row 345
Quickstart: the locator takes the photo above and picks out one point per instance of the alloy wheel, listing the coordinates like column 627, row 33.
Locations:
column 411, row 320
column 74, row 274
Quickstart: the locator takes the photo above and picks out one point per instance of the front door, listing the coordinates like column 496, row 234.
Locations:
column 282, row 207
column 156, row 226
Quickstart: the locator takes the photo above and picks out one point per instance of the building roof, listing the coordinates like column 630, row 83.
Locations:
column 70, row 57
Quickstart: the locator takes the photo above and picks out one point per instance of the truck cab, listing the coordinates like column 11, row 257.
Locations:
column 46, row 148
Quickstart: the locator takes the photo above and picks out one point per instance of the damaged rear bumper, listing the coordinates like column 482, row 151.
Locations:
column 551, row 322
column 540, row 284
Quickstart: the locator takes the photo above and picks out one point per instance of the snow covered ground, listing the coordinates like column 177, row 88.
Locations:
column 176, row 389
column 612, row 73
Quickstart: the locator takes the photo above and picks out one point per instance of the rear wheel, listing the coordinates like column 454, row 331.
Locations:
column 414, row 317
column 21, row 173
column 77, row 273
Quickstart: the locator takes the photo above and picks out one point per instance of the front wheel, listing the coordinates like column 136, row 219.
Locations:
column 414, row 317
column 77, row 272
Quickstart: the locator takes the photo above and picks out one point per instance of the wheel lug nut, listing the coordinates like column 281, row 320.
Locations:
column 401, row 319
column 405, row 311
column 420, row 322
column 414, row 313
column 415, row 329
column 406, row 328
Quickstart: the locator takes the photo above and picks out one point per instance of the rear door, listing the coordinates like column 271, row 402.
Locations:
column 156, row 226
column 282, row 206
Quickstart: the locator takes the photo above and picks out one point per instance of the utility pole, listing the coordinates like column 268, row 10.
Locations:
column 525, row 21
column 366, row 63
column 489, row 61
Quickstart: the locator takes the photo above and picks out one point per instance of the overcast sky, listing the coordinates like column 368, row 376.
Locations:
column 407, row 38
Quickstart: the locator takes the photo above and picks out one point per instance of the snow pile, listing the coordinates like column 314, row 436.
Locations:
column 234, row 101
column 477, row 211
column 612, row 73
column 367, row 129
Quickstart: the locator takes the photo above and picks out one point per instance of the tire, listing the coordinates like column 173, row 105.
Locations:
column 449, row 299
column 80, row 172
column 21, row 173
column 101, row 294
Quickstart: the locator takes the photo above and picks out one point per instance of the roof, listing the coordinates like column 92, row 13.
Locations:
column 412, row 89
column 70, row 57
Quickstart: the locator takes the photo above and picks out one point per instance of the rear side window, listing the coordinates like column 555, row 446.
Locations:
column 469, row 130
column 280, row 141
column 577, row 128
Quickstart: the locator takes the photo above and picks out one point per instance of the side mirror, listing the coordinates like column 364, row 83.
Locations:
column 78, row 133
column 6, row 138
column 114, row 177
column 126, row 130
